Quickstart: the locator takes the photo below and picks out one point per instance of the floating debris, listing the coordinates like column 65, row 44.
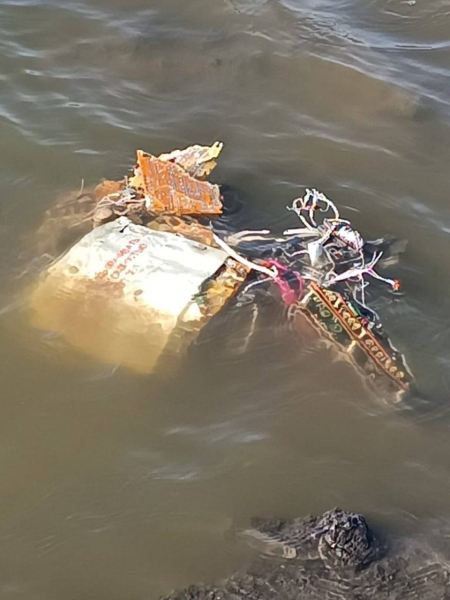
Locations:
column 126, row 294
column 327, row 270
column 151, row 272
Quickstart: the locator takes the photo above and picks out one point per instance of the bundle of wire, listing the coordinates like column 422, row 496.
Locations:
column 326, row 250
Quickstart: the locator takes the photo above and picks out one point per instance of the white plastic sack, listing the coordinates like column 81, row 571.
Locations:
column 119, row 292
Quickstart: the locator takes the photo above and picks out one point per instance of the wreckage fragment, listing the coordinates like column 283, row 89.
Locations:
column 129, row 295
column 337, row 262
column 367, row 349
column 169, row 189
column 196, row 160
column 146, row 277
column 171, row 184
column 320, row 270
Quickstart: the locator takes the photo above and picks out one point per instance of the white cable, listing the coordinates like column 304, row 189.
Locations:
column 251, row 265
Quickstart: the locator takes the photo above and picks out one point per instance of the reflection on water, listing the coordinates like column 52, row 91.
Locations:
column 116, row 485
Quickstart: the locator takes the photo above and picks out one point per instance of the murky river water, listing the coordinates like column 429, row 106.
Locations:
column 116, row 486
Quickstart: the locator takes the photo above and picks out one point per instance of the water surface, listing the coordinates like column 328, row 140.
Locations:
column 118, row 486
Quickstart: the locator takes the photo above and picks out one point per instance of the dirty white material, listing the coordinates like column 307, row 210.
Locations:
column 315, row 251
column 119, row 292
column 164, row 268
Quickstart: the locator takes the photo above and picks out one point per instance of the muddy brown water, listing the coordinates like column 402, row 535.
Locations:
column 120, row 486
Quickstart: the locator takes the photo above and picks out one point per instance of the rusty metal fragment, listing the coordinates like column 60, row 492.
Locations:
column 169, row 189
column 197, row 160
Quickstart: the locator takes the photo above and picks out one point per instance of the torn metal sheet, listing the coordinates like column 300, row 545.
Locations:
column 196, row 160
column 169, row 189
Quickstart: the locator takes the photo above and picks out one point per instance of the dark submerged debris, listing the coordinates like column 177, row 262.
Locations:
column 336, row 558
